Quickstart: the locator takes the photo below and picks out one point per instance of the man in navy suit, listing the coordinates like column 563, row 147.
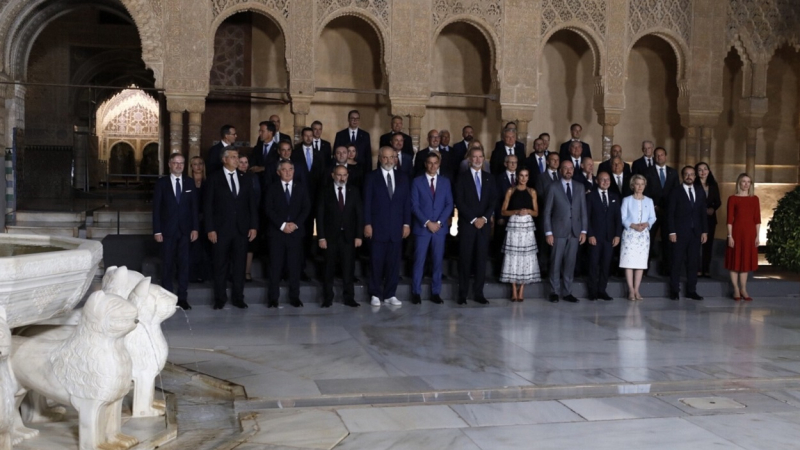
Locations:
column 227, row 136
column 431, row 205
column 460, row 149
column 643, row 164
column 616, row 152
column 564, row 152
column 405, row 161
column 358, row 137
column 230, row 212
column 397, row 128
column 585, row 174
column 688, row 230
column 508, row 146
column 387, row 221
column 279, row 137
column 175, row 224
column 422, row 155
column 264, row 152
column 661, row 181
column 475, row 197
column 604, row 233
column 321, row 145
column 620, row 181
column 287, row 205
column 536, row 163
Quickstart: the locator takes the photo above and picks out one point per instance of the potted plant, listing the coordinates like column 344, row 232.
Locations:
column 783, row 233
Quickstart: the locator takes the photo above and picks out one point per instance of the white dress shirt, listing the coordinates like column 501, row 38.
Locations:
column 235, row 179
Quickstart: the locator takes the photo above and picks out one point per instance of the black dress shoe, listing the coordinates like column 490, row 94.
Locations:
column 296, row 303
column 553, row 298
column 605, row 296
column 570, row 298
column 415, row 299
column 184, row 305
column 304, row 277
column 462, row 301
column 482, row 300
column 592, row 297
column 219, row 305
column 351, row 303
column 272, row 304
column 240, row 304
column 674, row 296
column 436, row 299
column 327, row 304
column 694, row 296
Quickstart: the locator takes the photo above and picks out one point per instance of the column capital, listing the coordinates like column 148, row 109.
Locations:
column 409, row 106
column 513, row 112
column 301, row 103
column 609, row 117
column 191, row 103
column 753, row 110
column 695, row 118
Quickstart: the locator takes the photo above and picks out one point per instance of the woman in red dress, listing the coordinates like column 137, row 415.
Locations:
column 744, row 221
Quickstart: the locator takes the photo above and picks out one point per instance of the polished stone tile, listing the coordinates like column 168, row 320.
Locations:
column 650, row 434
column 299, row 428
column 373, row 385
column 755, row 403
column 277, row 385
column 625, row 407
column 653, row 374
column 791, row 397
column 754, row 370
column 570, row 377
column 755, row 431
column 399, row 418
column 515, row 413
column 409, row 440
column 474, row 380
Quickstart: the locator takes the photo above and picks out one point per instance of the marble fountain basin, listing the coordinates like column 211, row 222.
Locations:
column 49, row 278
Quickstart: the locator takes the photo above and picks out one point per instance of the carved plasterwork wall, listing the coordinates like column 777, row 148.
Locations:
column 490, row 11
column 376, row 8
column 132, row 116
column 228, row 66
column 279, row 7
column 592, row 13
column 758, row 27
column 675, row 15
column 187, row 48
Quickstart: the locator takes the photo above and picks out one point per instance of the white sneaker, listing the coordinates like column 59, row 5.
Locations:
column 393, row 301
column 375, row 301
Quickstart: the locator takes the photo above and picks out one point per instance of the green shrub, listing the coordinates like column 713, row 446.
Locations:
column 783, row 233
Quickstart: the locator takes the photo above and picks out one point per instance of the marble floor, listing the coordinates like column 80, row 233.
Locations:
column 651, row 374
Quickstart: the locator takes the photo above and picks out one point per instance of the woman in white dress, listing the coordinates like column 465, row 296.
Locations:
column 638, row 215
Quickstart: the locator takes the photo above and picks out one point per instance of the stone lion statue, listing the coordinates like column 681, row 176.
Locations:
column 7, row 386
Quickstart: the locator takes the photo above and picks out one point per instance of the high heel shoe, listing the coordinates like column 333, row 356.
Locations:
column 638, row 297
column 632, row 297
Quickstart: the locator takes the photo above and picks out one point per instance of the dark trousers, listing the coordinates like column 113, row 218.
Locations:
column 666, row 247
column 708, row 247
column 473, row 247
column 175, row 249
column 230, row 257
column 685, row 250
column 385, row 262
column 340, row 253
column 284, row 251
column 599, row 266
column 199, row 258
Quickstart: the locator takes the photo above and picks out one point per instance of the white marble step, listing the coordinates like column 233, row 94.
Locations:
column 125, row 217
column 101, row 231
column 68, row 229
column 50, row 216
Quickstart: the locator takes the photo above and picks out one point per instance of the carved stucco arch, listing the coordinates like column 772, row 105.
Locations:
column 679, row 48
column 373, row 22
column 589, row 36
column 271, row 14
column 486, row 30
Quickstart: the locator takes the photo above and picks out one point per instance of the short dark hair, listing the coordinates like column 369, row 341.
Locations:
column 394, row 117
column 351, row 113
column 433, row 155
column 683, row 171
column 544, row 134
column 465, row 127
column 225, row 130
column 269, row 124
column 510, row 123
column 662, row 149
column 303, row 131
column 575, row 125
column 316, row 122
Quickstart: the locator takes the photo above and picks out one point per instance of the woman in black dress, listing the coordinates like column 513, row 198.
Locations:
column 706, row 181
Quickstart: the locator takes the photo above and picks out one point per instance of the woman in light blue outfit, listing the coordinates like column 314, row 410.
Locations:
column 638, row 215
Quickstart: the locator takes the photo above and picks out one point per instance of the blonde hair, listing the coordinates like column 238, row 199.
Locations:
column 637, row 177
column 739, row 178
column 191, row 161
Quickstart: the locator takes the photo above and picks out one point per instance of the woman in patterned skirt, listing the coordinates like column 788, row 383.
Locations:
column 638, row 215
column 520, row 265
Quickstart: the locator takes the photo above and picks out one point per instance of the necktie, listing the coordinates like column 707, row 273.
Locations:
column 691, row 195
column 309, row 158
column 555, row 178
column 619, row 183
column 341, row 199
column 400, row 160
column 178, row 190
column 541, row 165
column 513, row 181
column 316, row 145
column 569, row 192
column 662, row 176
column 577, row 162
column 433, row 188
column 446, row 148
column 389, row 184
column 352, row 136
column 649, row 163
column 605, row 200
column 288, row 194
column 266, row 150
column 233, row 185
column 510, row 151
column 478, row 185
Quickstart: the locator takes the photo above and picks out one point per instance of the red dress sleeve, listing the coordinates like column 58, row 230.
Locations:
column 731, row 209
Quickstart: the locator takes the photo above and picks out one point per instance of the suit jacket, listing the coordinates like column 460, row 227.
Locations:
column 581, row 178
column 226, row 214
column 660, row 195
column 315, row 176
column 532, row 164
column 449, row 163
column 282, row 137
column 605, row 166
column 498, row 158
column 444, row 167
column 214, row 158
column 278, row 211
column 683, row 217
column 542, row 183
column 363, row 147
column 713, row 200
column 604, row 223
column 562, row 218
column 331, row 220
column 301, row 174
column 563, row 151
column 169, row 217
column 625, row 189
column 459, row 153
column 503, row 185
column 640, row 166
column 326, row 150
column 467, row 202
column 387, row 215
column 257, row 155
column 406, row 164
column 386, row 141
column 426, row 206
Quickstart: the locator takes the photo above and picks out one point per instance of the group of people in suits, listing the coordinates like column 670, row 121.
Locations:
column 543, row 209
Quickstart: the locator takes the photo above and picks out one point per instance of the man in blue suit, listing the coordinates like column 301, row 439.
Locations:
column 387, row 219
column 687, row 225
column 175, row 224
column 604, row 233
column 431, row 204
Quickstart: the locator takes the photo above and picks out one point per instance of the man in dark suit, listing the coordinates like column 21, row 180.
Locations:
column 397, row 128
column 421, row 157
column 227, row 136
column 405, row 161
column 687, row 224
column 564, row 152
column 475, row 197
column 643, row 164
column 604, row 233
column 231, row 220
column 508, row 146
column 340, row 229
column 321, row 145
column 175, row 224
column 305, row 154
column 536, row 163
column 616, row 152
column 287, row 206
column 355, row 178
column 387, row 221
column 460, row 148
column 431, row 206
column 620, row 181
column 285, row 153
column 279, row 137
column 565, row 223
column 264, row 152
column 504, row 181
column 449, row 163
column 585, row 174
column 543, row 183
column 358, row 137
column 661, row 180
